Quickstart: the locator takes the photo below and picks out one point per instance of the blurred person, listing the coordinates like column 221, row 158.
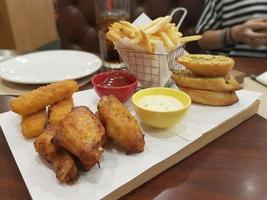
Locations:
column 234, row 27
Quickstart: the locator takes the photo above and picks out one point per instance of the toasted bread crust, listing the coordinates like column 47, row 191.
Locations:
column 186, row 78
column 207, row 65
column 210, row 97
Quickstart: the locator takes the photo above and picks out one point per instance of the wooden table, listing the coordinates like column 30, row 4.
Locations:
column 232, row 167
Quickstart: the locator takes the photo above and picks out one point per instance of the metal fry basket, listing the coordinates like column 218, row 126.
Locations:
column 153, row 69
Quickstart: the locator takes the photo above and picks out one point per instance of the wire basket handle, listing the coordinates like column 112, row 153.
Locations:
column 180, row 9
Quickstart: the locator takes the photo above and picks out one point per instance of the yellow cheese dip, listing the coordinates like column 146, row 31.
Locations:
column 160, row 103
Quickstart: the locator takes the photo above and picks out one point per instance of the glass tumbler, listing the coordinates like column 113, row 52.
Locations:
column 108, row 12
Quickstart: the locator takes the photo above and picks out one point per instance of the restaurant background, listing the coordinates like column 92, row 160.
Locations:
column 27, row 25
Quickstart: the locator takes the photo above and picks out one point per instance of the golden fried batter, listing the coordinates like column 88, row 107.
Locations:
column 33, row 125
column 120, row 124
column 211, row 97
column 58, row 111
column 188, row 79
column 41, row 97
column 64, row 165
column 81, row 133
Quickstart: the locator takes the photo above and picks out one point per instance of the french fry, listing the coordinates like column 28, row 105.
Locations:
column 114, row 36
column 172, row 35
column 108, row 37
column 128, row 24
column 168, row 26
column 138, row 37
column 157, row 26
column 150, row 24
column 154, row 37
column 167, row 41
column 186, row 39
column 117, row 30
column 178, row 35
column 146, row 42
column 124, row 29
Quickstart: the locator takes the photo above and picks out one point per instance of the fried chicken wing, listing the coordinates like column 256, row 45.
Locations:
column 58, row 111
column 81, row 133
column 41, row 97
column 33, row 125
column 120, row 124
column 64, row 166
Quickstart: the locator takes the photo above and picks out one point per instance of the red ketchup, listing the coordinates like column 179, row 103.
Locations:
column 116, row 80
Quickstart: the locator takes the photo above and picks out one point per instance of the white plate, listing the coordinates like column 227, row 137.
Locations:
column 49, row 66
column 15, row 89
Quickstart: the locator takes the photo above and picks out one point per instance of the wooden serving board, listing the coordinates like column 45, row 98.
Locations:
column 202, row 141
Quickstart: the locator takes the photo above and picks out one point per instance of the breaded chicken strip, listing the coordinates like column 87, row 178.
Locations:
column 81, row 133
column 120, row 124
column 58, row 111
column 39, row 98
column 64, row 166
column 33, row 125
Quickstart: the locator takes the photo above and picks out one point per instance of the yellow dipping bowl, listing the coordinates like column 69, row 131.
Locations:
column 161, row 119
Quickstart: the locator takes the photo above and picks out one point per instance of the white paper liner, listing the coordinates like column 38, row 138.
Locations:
column 117, row 169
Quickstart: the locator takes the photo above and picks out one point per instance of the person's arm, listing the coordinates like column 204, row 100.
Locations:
column 211, row 39
column 248, row 33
